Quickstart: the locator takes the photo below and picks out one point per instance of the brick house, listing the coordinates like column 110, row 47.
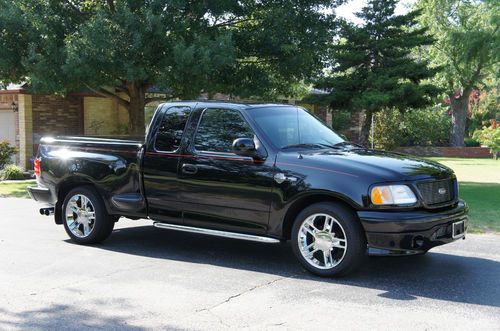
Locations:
column 26, row 117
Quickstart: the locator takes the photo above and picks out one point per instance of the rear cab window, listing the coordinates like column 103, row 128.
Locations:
column 173, row 122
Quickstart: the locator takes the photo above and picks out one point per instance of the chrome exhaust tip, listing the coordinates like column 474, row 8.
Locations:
column 47, row 211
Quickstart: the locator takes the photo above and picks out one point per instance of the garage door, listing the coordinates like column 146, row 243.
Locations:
column 8, row 127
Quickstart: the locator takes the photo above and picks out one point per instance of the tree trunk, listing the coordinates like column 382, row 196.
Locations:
column 135, row 109
column 365, row 129
column 460, row 109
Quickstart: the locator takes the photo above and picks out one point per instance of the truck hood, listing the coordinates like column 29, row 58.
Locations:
column 377, row 164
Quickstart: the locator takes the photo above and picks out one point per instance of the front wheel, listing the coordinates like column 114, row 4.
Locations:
column 328, row 239
column 85, row 218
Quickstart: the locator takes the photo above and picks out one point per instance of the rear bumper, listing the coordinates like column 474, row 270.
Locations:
column 413, row 231
column 41, row 194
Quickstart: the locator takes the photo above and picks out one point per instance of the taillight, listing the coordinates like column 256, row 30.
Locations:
column 36, row 167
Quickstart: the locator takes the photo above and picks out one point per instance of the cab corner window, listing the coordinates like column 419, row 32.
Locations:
column 218, row 129
column 168, row 138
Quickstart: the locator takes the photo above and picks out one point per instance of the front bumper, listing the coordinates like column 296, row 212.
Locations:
column 412, row 231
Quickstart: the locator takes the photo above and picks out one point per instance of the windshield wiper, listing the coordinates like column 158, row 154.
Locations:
column 348, row 143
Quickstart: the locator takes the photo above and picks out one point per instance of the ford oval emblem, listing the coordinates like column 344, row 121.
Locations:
column 442, row 191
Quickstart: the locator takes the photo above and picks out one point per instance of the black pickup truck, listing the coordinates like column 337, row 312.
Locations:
column 261, row 172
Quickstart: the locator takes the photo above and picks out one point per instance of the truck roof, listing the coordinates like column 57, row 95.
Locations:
column 222, row 103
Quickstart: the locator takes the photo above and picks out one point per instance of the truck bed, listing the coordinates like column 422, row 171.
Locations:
column 111, row 165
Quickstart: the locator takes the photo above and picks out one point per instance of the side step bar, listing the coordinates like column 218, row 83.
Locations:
column 217, row 233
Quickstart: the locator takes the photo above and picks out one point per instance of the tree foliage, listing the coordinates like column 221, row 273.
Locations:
column 467, row 47
column 6, row 153
column 490, row 137
column 421, row 127
column 371, row 67
column 120, row 48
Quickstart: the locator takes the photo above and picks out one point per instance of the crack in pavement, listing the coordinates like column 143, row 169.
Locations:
column 240, row 294
column 219, row 318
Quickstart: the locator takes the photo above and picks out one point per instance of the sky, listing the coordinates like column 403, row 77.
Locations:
column 347, row 10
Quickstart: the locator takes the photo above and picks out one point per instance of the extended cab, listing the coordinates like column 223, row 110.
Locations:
column 261, row 172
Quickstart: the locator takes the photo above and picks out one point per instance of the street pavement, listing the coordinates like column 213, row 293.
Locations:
column 147, row 278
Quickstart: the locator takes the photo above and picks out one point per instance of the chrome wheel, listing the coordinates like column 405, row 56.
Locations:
column 322, row 241
column 80, row 216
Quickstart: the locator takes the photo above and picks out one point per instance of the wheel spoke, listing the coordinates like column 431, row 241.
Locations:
column 306, row 230
column 72, row 205
column 73, row 225
column 310, row 223
column 326, row 259
column 311, row 254
column 339, row 243
column 86, row 229
column 85, row 202
column 307, row 249
column 328, row 224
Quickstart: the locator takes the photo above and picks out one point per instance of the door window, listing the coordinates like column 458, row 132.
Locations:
column 218, row 129
column 168, row 138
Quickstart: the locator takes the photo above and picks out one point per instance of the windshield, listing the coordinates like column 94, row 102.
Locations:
column 293, row 126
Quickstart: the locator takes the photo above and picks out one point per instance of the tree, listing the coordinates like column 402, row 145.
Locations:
column 120, row 48
column 490, row 136
column 467, row 47
column 371, row 67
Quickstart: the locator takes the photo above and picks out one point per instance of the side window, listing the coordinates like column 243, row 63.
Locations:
column 218, row 129
column 168, row 137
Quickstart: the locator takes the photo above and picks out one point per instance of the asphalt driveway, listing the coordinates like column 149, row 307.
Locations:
column 147, row 278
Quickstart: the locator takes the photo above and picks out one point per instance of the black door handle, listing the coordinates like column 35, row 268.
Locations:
column 189, row 169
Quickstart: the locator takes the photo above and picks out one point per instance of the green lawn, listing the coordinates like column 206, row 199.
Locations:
column 480, row 186
column 15, row 189
column 473, row 170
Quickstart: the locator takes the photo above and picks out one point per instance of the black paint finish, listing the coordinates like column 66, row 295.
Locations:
column 226, row 191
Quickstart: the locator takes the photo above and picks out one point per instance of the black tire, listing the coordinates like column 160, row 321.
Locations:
column 355, row 243
column 103, row 223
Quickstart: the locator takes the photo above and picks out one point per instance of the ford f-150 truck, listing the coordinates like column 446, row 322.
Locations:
column 261, row 172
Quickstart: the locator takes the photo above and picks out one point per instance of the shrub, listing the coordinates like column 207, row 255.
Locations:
column 489, row 137
column 388, row 132
column 427, row 127
column 471, row 142
column 11, row 172
column 6, row 152
column 423, row 127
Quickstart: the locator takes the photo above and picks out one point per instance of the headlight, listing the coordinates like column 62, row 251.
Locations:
column 392, row 195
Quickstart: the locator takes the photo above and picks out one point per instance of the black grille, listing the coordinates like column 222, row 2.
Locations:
column 438, row 191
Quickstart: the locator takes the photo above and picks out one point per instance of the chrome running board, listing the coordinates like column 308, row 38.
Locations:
column 217, row 233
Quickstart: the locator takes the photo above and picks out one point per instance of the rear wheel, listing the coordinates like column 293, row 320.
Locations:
column 328, row 239
column 85, row 218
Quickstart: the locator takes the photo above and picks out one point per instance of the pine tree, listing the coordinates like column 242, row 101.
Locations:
column 373, row 68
